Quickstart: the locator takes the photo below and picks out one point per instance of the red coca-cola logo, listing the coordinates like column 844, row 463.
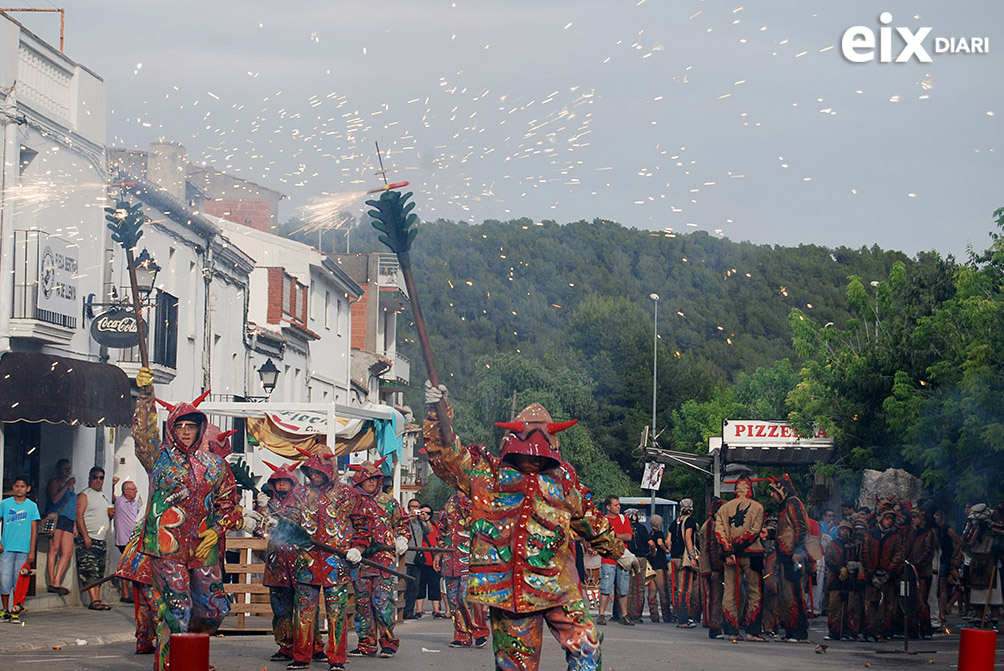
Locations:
column 116, row 328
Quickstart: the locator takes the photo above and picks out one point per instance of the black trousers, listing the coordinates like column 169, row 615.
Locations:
column 411, row 588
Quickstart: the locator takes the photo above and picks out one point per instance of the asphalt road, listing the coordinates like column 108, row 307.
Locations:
column 645, row 647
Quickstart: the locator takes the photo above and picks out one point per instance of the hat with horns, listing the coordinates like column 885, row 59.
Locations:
column 367, row 470
column 534, row 434
column 284, row 472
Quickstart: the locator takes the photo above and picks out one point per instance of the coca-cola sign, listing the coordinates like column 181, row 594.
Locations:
column 116, row 329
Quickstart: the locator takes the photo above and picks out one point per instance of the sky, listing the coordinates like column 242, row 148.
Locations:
column 742, row 118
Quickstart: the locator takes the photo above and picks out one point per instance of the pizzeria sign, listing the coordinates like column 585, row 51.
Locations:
column 765, row 433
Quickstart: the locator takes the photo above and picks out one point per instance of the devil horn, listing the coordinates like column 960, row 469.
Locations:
column 355, row 467
column 302, row 451
column 556, row 427
column 201, row 398
column 170, row 408
column 515, row 427
column 272, row 466
column 379, row 463
column 226, row 434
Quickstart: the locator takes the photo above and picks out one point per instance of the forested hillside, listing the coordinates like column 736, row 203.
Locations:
column 562, row 314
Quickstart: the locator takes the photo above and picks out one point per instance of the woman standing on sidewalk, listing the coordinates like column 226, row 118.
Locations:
column 63, row 502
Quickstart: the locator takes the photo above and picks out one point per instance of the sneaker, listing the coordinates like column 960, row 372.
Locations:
column 15, row 618
column 279, row 657
column 336, row 666
column 459, row 644
column 387, row 652
column 830, row 637
column 602, row 619
column 298, row 665
column 320, row 656
column 480, row 641
column 5, row 616
column 356, row 652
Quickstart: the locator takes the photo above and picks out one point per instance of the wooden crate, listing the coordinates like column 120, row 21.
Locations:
column 251, row 610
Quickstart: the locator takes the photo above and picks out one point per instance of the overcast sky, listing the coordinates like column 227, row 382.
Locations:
column 741, row 117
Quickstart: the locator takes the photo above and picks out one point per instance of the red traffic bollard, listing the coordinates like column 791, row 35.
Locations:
column 977, row 649
column 190, row 652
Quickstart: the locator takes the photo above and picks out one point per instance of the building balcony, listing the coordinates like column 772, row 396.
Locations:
column 400, row 370
column 45, row 305
column 390, row 279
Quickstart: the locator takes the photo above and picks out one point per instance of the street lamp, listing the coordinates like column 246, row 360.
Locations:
column 655, row 380
column 269, row 375
column 655, row 357
column 146, row 274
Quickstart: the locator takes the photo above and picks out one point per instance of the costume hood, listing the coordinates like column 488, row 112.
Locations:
column 365, row 471
column 218, row 441
column 534, row 434
column 322, row 462
column 285, row 472
column 180, row 410
column 783, row 486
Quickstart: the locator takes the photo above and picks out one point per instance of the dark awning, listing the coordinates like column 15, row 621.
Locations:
column 59, row 390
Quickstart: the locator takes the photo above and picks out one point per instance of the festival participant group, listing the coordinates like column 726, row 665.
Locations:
column 519, row 545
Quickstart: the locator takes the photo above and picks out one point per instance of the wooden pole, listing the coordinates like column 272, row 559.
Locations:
column 138, row 308
column 442, row 408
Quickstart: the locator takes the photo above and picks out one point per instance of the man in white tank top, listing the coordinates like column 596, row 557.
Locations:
column 94, row 512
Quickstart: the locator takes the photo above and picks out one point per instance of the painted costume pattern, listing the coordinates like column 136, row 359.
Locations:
column 522, row 561
column 377, row 521
column 192, row 490
column 469, row 621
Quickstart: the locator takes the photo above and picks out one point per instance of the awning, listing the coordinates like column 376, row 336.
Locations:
column 44, row 388
column 283, row 427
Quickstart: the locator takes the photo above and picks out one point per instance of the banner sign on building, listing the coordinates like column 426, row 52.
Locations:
column 57, row 276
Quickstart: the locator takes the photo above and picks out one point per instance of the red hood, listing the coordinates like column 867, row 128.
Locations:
column 218, row 441
column 180, row 410
column 365, row 471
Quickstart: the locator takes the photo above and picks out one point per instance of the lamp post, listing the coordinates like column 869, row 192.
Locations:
column 655, row 380
column 269, row 376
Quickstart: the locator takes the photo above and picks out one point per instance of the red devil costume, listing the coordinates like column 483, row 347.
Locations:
column 882, row 556
column 844, row 584
column 381, row 534
column 920, row 547
column 522, row 562
column 192, row 505
column 324, row 506
column 280, row 555
column 790, row 537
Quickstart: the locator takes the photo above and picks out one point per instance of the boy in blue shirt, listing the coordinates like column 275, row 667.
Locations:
column 17, row 543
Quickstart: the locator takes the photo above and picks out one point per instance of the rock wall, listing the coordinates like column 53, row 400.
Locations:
column 890, row 482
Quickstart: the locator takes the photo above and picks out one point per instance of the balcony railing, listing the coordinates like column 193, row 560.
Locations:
column 29, row 320
column 400, row 370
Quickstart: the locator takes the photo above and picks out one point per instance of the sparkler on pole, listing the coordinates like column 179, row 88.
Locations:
column 125, row 221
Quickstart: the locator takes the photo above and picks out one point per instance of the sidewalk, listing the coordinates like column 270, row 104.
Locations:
column 63, row 627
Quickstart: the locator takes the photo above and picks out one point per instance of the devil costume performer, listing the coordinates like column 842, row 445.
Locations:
column 882, row 557
column 522, row 562
column 844, row 584
column 737, row 530
column 381, row 534
column 325, row 507
column 280, row 555
column 919, row 552
column 191, row 507
column 711, row 564
column 469, row 623
column 790, row 537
